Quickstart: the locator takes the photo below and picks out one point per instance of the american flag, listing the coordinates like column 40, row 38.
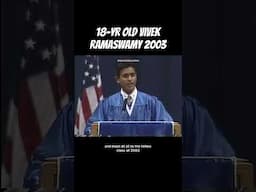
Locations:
column 41, row 90
column 89, row 90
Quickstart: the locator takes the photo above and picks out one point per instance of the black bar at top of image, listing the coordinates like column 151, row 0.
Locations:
column 99, row 163
column 169, row 17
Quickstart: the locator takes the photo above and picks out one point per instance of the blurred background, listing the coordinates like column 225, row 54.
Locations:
column 37, row 77
column 37, row 69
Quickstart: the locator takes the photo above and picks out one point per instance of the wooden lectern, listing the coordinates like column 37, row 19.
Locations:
column 57, row 174
column 49, row 175
column 245, row 176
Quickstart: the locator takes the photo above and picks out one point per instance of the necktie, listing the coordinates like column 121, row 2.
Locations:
column 129, row 101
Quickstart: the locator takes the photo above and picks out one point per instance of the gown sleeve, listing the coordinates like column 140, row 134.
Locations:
column 200, row 135
column 58, row 141
column 160, row 112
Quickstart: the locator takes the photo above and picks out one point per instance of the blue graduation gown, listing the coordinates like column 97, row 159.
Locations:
column 59, row 141
column 146, row 108
column 200, row 135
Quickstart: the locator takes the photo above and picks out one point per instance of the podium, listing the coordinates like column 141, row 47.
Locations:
column 57, row 174
column 136, row 128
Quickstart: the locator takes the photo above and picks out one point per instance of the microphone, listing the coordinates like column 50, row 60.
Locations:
column 124, row 104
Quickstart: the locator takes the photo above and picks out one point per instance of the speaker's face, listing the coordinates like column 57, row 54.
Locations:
column 127, row 79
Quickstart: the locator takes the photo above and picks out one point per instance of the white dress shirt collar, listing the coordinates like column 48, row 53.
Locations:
column 133, row 95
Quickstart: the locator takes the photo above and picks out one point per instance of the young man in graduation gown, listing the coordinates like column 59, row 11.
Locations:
column 129, row 104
